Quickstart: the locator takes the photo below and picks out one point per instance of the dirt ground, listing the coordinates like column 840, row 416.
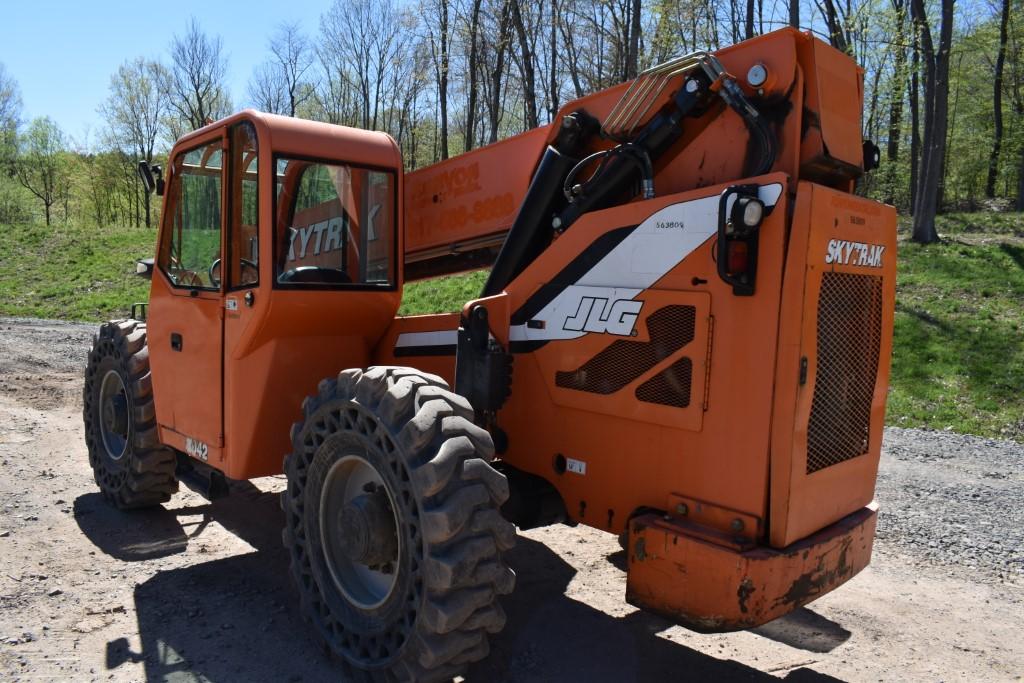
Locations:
column 196, row 591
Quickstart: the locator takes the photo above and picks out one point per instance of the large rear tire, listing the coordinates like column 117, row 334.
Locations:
column 130, row 466
column 393, row 527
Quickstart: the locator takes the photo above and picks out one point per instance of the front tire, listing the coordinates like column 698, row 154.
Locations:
column 130, row 466
column 392, row 524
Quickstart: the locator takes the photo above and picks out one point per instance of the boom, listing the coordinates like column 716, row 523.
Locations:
column 460, row 210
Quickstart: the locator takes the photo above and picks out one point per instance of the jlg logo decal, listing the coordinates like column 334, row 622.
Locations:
column 854, row 253
column 597, row 314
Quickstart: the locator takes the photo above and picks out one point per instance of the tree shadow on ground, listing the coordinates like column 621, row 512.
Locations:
column 237, row 618
column 1015, row 252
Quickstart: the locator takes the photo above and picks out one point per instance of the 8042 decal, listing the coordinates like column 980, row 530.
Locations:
column 197, row 449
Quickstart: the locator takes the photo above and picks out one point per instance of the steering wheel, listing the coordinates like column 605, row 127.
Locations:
column 215, row 279
column 315, row 275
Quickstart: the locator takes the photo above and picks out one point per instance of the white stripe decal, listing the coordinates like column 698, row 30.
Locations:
column 436, row 338
column 655, row 247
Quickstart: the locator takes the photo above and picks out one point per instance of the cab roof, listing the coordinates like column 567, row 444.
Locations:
column 312, row 139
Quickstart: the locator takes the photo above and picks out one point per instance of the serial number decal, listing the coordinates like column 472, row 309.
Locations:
column 197, row 449
column 846, row 253
column 576, row 466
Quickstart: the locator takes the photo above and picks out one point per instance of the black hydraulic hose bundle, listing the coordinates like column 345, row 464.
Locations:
column 760, row 134
column 530, row 233
column 615, row 180
column 554, row 200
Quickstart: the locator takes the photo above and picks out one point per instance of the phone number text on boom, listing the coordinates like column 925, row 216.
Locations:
column 482, row 210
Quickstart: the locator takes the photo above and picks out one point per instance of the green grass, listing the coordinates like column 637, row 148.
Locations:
column 958, row 358
column 441, row 295
column 71, row 272
column 986, row 223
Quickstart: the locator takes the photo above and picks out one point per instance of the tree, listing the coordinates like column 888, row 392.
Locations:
column 526, row 61
column 442, row 62
column 360, row 45
column 897, row 86
column 267, row 89
column 10, row 113
column 195, row 81
column 473, row 69
column 279, row 85
column 997, row 102
column 40, row 166
column 936, row 116
column 135, row 109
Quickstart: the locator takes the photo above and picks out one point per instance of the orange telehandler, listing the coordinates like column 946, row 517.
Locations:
column 684, row 339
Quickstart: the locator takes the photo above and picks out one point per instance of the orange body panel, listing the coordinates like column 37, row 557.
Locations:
column 802, row 502
column 638, row 453
column 404, row 340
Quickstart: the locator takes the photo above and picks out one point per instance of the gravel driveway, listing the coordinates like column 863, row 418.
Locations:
column 197, row 591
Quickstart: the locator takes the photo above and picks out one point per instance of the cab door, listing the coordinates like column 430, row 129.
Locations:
column 186, row 312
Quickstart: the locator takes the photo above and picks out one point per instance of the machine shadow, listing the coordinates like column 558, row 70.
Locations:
column 237, row 618
column 141, row 535
column 805, row 630
column 552, row 637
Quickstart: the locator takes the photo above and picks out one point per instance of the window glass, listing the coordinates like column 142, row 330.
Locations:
column 336, row 224
column 245, row 208
column 191, row 253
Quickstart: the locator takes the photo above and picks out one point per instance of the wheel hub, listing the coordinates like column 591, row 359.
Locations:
column 114, row 420
column 115, row 414
column 366, row 527
column 359, row 532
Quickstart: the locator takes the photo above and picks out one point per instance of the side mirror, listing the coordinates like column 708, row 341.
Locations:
column 146, row 174
column 144, row 268
column 152, row 178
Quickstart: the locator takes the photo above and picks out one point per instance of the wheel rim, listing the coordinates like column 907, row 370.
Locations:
column 358, row 532
column 114, row 423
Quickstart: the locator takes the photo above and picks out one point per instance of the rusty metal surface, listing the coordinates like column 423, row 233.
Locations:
column 737, row 590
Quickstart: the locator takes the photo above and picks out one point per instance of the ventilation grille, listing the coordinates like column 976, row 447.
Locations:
column 849, row 338
column 670, row 387
column 670, row 329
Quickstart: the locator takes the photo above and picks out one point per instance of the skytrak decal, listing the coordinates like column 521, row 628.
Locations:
column 845, row 253
column 327, row 236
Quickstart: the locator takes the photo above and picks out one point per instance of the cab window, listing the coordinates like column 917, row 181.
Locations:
column 190, row 253
column 336, row 225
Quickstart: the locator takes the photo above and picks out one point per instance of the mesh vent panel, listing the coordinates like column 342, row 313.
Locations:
column 670, row 329
column 670, row 387
column 849, row 338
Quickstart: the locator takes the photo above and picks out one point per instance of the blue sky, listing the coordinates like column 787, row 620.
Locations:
column 62, row 53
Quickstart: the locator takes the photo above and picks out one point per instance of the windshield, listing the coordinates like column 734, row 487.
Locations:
column 336, row 224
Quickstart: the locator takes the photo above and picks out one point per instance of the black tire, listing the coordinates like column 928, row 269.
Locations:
column 142, row 475
column 445, row 497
